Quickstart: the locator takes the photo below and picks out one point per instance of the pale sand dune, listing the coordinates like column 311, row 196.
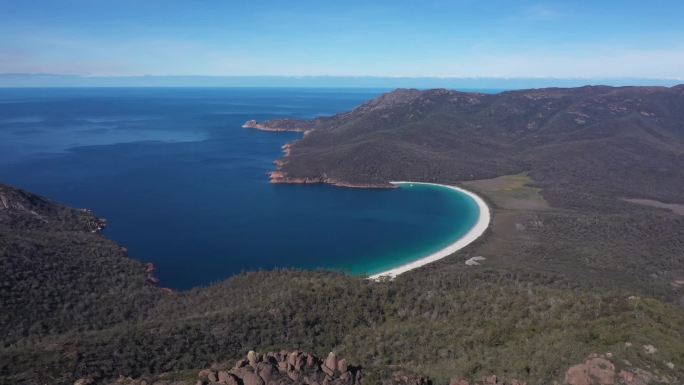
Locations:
column 474, row 233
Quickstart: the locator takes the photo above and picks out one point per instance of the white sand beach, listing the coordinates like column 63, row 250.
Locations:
column 474, row 233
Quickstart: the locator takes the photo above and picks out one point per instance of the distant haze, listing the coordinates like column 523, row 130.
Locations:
column 32, row 80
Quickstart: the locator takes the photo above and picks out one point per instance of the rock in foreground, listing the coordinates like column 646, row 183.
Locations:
column 278, row 368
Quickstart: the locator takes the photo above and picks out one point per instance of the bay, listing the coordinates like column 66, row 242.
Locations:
column 183, row 186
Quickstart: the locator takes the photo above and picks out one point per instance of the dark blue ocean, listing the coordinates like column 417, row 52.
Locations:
column 182, row 185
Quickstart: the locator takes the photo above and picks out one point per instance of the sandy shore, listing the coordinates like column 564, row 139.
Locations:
column 474, row 233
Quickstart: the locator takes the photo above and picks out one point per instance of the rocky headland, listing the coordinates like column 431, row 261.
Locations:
column 280, row 125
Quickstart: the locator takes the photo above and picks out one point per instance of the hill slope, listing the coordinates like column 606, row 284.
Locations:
column 606, row 141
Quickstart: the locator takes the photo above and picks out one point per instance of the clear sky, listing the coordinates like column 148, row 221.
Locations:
column 461, row 38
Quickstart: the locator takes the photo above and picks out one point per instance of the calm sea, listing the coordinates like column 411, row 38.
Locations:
column 182, row 185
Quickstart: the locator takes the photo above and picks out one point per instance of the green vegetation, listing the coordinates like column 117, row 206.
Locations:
column 514, row 192
column 571, row 269
column 459, row 322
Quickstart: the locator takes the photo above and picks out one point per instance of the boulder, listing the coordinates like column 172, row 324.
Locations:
column 292, row 359
column 331, row 361
column 594, row 371
column 252, row 358
column 251, row 378
column 227, row 378
column 300, row 362
column 327, row 370
column 241, row 363
column 342, row 366
column 310, row 361
column 203, row 374
column 458, row 381
column 212, row 376
column 294, row 375
column 266, row 371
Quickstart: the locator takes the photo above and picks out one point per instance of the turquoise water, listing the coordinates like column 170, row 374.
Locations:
column 182, row 185
column 465, row 214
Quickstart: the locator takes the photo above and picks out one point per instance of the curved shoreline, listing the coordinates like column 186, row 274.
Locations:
column 484, row 217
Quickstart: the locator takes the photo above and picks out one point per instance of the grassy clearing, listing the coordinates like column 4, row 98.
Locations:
column 512, row 192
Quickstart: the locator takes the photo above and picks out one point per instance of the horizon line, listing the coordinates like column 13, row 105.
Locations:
column 448, row 77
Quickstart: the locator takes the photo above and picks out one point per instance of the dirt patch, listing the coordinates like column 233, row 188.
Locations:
column 676, row 208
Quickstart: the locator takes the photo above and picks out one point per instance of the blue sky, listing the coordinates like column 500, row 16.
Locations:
column 459, row 38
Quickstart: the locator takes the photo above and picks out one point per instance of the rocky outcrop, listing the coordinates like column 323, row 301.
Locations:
column 284, row 368
column 599, row 370
column 280, row 125
column 281, row 368
column 149, row 273
column 280, row 177
column 595, row 370
column 296, row 367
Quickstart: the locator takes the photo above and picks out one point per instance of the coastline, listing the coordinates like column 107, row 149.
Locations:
column 483, row 220
column 279, row 176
